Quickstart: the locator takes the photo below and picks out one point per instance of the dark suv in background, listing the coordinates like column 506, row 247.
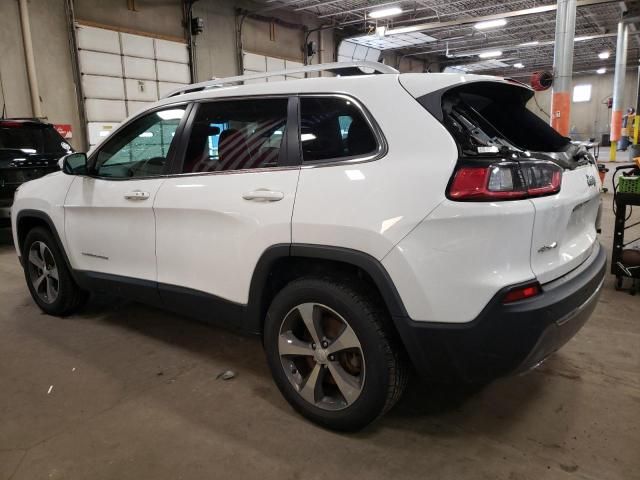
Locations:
column 29, row 149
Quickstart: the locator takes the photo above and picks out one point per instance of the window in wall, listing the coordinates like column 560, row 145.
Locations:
column 141, row 148
column 236, row 135
column 333, row 128
column 582, row 93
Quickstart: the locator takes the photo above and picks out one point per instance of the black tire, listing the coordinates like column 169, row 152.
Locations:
column 384, row 359
column 69, row 296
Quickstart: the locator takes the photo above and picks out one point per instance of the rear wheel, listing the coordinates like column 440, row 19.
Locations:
column 47, row 275
column 331, row 355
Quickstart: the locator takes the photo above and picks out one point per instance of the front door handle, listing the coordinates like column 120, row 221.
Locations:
column 263, row 195
column 137, row 195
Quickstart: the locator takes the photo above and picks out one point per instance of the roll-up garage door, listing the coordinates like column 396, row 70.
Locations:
column 255, row 63
column 122, row 73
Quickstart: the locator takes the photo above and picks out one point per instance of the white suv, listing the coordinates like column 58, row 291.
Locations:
column 361, row 224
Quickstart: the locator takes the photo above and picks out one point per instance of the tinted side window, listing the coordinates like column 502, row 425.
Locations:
column 236, row 135
column 333, row 128
column 141, row 148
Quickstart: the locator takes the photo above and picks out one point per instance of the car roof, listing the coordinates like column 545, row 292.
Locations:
column 337, row 84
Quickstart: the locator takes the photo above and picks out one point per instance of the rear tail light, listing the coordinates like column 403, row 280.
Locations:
column 505, row 181
column 520, row 293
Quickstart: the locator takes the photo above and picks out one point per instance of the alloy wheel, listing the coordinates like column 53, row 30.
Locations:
column 321, row 356
column 43, row 272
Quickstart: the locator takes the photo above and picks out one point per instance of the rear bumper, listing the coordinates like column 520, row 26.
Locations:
column 507, row 339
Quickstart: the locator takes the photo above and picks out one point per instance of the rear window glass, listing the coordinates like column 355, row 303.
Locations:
column 489, row 117
column 32, row 139
column 333, row 128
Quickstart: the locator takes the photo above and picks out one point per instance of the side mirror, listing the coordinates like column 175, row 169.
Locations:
column 74, row 164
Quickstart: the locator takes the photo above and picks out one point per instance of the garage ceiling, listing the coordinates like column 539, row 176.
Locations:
column 454, row 40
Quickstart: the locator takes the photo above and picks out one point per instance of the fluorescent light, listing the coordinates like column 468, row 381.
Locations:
column 583, row 38
column 385, row 12
column 491, row 54
column 490, row 24
column 601, row 70
column 529, row 44
column 604, row 55
column 518, row 65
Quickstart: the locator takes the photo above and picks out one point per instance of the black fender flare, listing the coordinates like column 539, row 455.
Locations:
column 40, row 215
column 361, row 260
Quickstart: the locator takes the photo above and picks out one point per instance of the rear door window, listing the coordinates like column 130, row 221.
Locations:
column 236, row 135
column 334, row 128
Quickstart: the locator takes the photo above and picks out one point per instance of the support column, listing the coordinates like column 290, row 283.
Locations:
column 563, row 66
column 29, row 58
column 618, row 87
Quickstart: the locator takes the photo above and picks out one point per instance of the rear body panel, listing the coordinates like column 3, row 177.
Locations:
column 564, row 232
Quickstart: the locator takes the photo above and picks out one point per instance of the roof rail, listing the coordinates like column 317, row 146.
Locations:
column 348, row 67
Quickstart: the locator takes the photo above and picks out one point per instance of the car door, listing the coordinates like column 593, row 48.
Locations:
column 109, row 220
column 231, row 199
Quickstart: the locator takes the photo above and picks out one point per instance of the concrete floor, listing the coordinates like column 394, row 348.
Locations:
column 124, row 391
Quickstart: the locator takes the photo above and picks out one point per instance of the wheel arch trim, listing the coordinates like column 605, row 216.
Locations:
column 42, row 216
column 361, row 260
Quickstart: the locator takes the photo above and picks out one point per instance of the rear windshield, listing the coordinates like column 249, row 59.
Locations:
column 32, row 139
column 487, row 117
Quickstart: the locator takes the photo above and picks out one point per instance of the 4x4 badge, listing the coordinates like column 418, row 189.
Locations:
column 591, row 180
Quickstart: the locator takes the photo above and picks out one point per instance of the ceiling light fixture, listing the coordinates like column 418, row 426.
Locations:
column 518, row 65
column 491, row 54
column 604, row 55
column 385, row 12
column 583, row 38
column 490, row 24
column 601, row 71
column 529, row 44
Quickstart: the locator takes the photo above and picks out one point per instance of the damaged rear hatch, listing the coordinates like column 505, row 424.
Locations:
column 508, row 153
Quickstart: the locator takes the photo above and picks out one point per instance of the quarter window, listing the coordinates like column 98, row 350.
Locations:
column 141, row 148
column 333, row 128
column 236, row 135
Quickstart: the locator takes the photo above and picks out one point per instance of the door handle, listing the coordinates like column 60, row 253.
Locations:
column 263, row 195
column 137, row 195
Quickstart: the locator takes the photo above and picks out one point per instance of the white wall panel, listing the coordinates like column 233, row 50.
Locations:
column 105, row 110
column 274, row 64
column 173, row 72
column 141, row 90
column 253, row 62
column 288, row 65
column 141, row 68
column 166, row 87
column 123, row 73
column 98, row 39
column 96, row 86
column 172, row 51
column 99, row 130
column 94, row 63
column 137, row 45
column 135, row 107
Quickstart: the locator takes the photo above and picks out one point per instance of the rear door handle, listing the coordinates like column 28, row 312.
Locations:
column 137, row 195
column 263, row 195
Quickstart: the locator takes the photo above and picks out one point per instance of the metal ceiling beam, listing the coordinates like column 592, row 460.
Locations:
column 497, row 16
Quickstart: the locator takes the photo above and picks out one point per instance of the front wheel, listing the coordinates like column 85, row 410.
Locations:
column 332, row 354
column 47, row 275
